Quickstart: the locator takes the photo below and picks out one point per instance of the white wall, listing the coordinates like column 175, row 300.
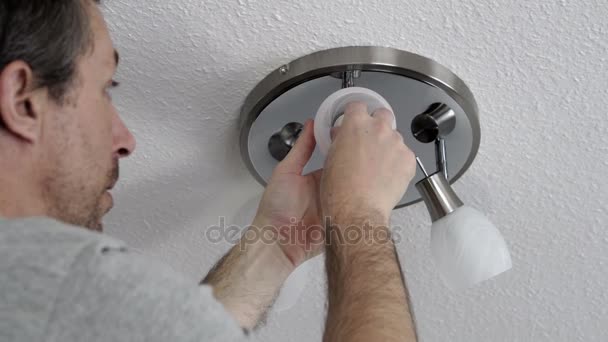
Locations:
column 538, row 71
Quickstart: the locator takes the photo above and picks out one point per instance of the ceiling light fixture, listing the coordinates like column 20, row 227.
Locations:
column 434, row 110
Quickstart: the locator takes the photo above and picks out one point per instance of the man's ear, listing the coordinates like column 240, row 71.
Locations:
column 21, row 105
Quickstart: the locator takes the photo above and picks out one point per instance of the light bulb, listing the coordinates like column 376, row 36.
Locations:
column 466, row 247
column 329, row 112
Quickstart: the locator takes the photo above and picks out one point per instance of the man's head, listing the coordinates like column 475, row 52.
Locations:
column 60, row 135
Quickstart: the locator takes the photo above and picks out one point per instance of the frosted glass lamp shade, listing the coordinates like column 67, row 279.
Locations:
column 467, row 248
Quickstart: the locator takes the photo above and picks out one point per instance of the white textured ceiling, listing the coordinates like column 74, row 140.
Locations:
column 538, row 71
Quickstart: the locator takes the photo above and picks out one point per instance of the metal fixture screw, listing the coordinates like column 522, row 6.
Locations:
column 284, row 69
column 281, row 142
column 348, row 78
column 436, row 122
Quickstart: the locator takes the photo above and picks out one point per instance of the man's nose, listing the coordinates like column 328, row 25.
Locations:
column 124, row 140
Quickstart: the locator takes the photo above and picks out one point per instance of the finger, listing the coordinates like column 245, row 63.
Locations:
column 333, row 132
column 316, row 175
column 300, row 154
column 356, row 109
column 384, row 115
column 400, row 137
column 338, row 121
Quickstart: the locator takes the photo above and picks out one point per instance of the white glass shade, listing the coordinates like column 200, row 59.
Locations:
column 468, row 248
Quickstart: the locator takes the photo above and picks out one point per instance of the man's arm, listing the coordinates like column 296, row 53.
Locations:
column 367, row 296
column 286, row 232
column 366, row 173
column 248, row 278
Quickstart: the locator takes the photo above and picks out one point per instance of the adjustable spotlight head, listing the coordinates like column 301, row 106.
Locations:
column 466, row 247
column 438, row 196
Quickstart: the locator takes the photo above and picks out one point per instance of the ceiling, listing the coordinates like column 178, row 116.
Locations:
column 539, row 71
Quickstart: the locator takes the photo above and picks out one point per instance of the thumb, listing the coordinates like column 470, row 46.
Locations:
column 333, row 132
column 300, row 154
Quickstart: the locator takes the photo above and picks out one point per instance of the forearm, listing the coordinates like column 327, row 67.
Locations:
column 367, row 296
column 247, row 279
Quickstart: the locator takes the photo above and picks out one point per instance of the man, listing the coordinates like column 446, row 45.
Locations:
column 60, row 142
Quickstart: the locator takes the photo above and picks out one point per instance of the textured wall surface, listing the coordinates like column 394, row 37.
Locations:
column 539, row 71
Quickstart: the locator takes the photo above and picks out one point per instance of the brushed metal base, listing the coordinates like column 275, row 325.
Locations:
column 410, row 83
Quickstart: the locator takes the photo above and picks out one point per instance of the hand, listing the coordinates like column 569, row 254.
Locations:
column 291, row 202
column 368, row 167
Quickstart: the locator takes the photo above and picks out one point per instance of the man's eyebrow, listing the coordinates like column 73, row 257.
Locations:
column 116, row 57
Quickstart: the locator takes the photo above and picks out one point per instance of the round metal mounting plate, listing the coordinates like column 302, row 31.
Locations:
column 409, row 82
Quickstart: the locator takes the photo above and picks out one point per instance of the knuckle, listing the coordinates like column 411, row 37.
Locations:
column 356, row 108
column 408, row 154
column 408, row 151
column 404, row 152
column 382, row 126
column 385, row 110
column 382, row 112
column 398, row 137
column 354, row 117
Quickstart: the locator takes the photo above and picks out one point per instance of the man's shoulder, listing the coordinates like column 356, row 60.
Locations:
column 36, row 257
column 43, row 250
column 23, row 236
column 43, row 230
column 57, row 279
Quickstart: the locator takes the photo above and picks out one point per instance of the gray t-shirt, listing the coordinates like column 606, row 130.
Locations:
column 64, row 283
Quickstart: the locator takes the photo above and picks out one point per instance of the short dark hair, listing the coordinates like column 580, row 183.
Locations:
column 47, row 35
